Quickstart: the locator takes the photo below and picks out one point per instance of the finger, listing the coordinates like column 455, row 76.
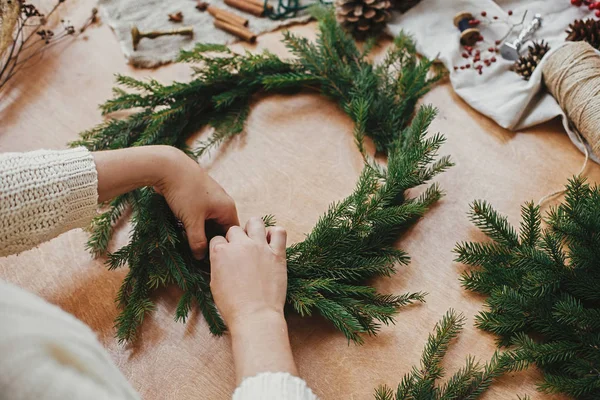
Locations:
column 197, row 240
column 277, row 238
column 227, row 216
column 235, row 233
column 217, row 243
column 255, row 228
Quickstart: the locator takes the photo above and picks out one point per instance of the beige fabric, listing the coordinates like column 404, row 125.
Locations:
column 274, row 386
column 43, row 194
column 48, row 354
column 150, row 15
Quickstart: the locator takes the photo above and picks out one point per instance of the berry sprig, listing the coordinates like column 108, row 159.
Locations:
column 478, row 58
column 590, row 4
column 482, row 54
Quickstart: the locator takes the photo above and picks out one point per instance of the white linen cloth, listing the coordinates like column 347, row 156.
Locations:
column 498, row 93
column 152, row 15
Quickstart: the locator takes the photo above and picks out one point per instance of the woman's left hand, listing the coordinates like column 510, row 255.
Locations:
column 194, row 197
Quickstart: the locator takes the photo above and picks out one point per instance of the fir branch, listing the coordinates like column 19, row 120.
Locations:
column 543, row 289
column 468, row 383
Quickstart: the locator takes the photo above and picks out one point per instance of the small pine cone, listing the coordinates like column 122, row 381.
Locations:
column 526, row 64
column 363, row 18
column 404, row 5
column 585, row 31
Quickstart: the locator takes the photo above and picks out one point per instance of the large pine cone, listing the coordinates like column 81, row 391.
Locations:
column 525, row 65
column 363, row 18
column 404, row 5
column 585, row 31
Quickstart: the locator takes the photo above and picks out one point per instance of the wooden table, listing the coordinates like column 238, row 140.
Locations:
column 296, row 156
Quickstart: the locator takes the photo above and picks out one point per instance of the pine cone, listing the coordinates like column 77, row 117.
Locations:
column 585, row 31
column 404, row 5
column 363, row 18
column 525, row 65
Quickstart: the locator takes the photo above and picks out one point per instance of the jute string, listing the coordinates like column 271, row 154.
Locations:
column 572, row 75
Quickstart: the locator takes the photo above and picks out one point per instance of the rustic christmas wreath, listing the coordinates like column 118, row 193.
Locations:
column 351, row 243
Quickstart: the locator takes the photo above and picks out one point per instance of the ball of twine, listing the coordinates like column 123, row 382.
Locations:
column 572, row 75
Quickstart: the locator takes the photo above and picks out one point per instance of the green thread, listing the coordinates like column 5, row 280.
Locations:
column 287, row 8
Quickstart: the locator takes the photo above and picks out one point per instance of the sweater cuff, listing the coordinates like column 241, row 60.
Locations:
column 273, row 386
column 43, row 194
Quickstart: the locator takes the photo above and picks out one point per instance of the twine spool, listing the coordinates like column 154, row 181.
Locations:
column 572, row 75
column 468, row 34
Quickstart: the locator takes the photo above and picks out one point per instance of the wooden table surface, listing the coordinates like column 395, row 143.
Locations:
column 296, row 156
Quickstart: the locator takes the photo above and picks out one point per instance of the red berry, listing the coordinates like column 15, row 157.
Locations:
column 480, row 39
column 592, row 6
column 510, row 12
column 465, row 55
column 495, row 17
column 483, row 13
column 576, row 2
column 468, row 48
column 598, row 13
column 498, row 42
column 455, row 68
column 491, row 49
column 477, row 52
column 493, row 59
column 480, row 72
column 462, row 67
column 468, row 66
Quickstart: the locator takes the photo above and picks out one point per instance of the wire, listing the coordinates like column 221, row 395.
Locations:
column 287, row 8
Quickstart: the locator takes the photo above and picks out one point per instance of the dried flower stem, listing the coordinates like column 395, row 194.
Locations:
column 30, row 25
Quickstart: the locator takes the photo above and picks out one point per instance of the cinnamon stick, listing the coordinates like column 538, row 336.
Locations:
column 227, row 16
column 261, row 4
column 246, row 6
column 236, row 30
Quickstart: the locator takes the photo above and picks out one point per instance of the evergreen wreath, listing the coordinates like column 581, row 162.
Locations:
column 353, row 242
column 543, row 288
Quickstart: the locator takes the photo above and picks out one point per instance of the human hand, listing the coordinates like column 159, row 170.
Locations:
column 248, row 272
column 193, row 196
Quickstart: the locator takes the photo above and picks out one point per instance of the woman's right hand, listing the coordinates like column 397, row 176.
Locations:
column 249, row 285
column 248, row 271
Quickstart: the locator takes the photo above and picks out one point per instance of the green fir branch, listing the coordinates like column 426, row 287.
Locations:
column 543, row 288
column 468, row 383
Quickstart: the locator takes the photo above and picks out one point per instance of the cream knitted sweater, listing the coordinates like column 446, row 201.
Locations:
column 45, row 353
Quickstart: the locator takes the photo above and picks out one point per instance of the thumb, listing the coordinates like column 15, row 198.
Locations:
column 197, row 239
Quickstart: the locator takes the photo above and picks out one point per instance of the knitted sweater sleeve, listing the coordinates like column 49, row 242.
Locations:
column 43, row 194
column 273, row 386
